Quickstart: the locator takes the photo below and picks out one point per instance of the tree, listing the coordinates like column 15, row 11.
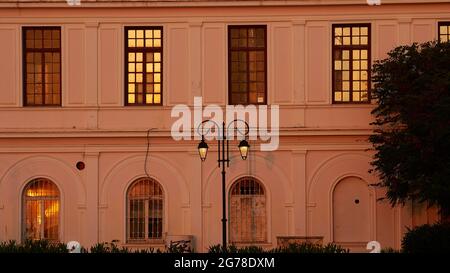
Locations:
column 412, row 124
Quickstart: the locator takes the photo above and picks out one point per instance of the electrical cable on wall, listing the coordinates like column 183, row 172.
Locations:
column 146, row 153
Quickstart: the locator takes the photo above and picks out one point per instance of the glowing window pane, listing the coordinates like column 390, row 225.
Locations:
column 364, row 31
column 356, row 65
column 346, row 75
column 131, row 57
column 157, row 42
column 149, row 67
column 338, row 31
column 337, row 65
column 345, row 54
column 132, row 43
column 149, row 98
column 157, row 33
column 131, row 33
column 356, row 85
column 157, row 67
column 346, row 96
column 131, row 67
column 131, row 77
column 157, row 57
column 338, row 41
column 157, row 98
column 149, row 33
column 139, row 57
column 364, row 40
column 157, row 77
column 139, row 77
column 140, row 34
column 355, row 31
column 131, row 88
column 346, row 86
column 346, row 31
column 140, row 43
column 355, row 40
column 363, row 75
column 356, row 54
column 148, row 43
column 157, row 88
column 131, row 98
column 345, row 65
column 364, row 54
column 356, row 75
column 337, row 96
column 356, row 96
column 139, row 67
column 346, row 40
column 364, row 65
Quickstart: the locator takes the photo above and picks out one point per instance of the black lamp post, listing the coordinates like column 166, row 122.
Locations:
column 223, row 157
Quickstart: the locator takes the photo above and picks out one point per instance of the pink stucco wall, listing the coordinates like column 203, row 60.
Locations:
column 321, row 143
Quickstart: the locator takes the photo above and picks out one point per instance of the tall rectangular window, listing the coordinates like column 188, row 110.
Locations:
column 351, row 63
column 143, row 65
column 41, row 66
column 444, row 32
column 247, row 69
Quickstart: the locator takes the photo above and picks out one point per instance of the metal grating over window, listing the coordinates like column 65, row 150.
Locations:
column 144, row 210
column 247, row 64
column 42, row 66
column 40, row 211
column 248, row 223
column 143, row 65
column 351, row 63
column 444, row 32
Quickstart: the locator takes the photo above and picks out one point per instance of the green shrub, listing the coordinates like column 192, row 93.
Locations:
column 33, row 246
column 427, row 239
column 291, row 248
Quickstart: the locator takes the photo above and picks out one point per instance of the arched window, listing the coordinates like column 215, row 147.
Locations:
column 40, row 211
column 248, row 222
column 144, row 210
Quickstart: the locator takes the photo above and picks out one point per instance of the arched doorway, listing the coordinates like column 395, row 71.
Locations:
column 248, row 223
column 352, row 212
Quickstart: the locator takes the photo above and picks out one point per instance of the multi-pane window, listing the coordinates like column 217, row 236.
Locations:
column 247, row 64
column 444, row 32
column 42, row 66
column 143, row 65
column 144, row 210
column 40, row 213
column 351, row 63
column 248, row 211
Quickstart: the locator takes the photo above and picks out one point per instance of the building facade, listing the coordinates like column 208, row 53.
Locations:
column 86, row 94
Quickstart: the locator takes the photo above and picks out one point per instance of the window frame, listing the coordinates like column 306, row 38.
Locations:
column 146, row 200
column 251, row 197
column 42, row 50
column 144, row 72
column 247, row 49
column 351, row 47
column 41, row 200
column 442, row 23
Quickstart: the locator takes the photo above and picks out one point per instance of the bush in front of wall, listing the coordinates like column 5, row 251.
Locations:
column 427, row 239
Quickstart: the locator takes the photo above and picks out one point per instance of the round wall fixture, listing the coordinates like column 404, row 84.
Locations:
column 80, row 165
column 356, row 201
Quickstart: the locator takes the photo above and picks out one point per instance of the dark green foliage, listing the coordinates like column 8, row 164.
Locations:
column 412, row 124
column 32, row 246
column 291, row 248
column 44, row 246
column 427, row 239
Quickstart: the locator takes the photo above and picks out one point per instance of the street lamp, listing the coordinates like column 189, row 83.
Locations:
column 223, row 157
